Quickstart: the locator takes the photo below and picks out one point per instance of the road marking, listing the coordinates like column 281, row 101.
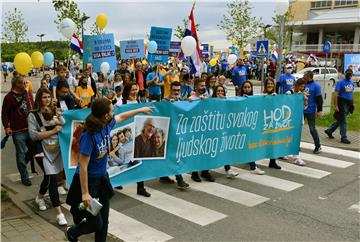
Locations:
column 229, row 193
column 332, row 150
column 300, row 170
column 129, row 229
column 176, row 206
column 265, row 180
column 325, row 160
column 355, row 207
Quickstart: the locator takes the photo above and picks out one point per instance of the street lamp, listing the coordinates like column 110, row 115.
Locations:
column 41, row 36
column 265, row 27
column 281, row 9
column 83, row 19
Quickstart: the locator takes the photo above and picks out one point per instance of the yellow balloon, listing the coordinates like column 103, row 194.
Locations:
column 212, row 62
column 234, row 41
column 22, row 62
column 37, row 59
column 101, row 21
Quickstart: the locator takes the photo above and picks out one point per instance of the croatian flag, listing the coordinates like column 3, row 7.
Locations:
column 195, row 58
column 76, row 44
column 313, row 57
column 274, row 55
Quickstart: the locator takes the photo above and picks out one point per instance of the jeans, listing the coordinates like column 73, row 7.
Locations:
column 311, row 122
column 20, row 141
column 342, row 123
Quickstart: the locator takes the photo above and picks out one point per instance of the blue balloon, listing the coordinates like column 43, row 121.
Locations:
column 152, row 47
column 48, row 58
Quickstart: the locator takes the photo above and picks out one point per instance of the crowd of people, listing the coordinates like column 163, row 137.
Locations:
column 34, row 124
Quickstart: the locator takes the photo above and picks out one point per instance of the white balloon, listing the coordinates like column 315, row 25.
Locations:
column 104, row 68
column 67, row 27
column 232, row 59
column 188, row 45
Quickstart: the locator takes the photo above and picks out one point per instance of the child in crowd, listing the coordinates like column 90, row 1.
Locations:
column 61, row 76
column 118, row 96
column 84, row 92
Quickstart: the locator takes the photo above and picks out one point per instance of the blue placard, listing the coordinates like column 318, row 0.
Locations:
column 262, row 47
column 99, row 49
column 132, row 49
column 198, row 135
column 175, row 48
column 352, row 61
column 205, row 51
column 327, row 47
column 162, row 36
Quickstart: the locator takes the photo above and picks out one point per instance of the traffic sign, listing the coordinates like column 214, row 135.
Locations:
column 262, row 47
column 327, row 47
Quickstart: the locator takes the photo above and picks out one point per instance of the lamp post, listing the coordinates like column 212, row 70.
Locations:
column 281, row 9
column 83, row 20
column 41, row 36
column 263, row 61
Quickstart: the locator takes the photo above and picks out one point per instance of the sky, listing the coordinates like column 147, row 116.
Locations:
column 134, row 18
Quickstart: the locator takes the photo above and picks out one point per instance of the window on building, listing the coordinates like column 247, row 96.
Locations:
column 321, row 4
column 340, row 3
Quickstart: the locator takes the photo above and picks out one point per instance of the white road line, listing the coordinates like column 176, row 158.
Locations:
column 176, row 206
column 355, row 207
column 265, row 180
column 226, row 192
column 332, row 150
column 325, row 160
column 129, row 229
column 300, row 170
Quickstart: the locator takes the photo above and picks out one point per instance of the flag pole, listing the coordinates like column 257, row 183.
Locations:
column 193, row 6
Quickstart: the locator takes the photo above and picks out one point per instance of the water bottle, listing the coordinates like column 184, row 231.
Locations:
column 82, row 206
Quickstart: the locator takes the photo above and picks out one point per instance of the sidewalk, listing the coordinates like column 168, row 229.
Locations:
column 353, row 136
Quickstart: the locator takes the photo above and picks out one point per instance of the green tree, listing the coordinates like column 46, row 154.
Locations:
column 180, row 30
column 14, row 28
column 68, row 9
column 238, row 23
column 94, row 29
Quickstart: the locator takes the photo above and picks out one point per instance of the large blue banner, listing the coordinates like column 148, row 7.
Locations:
column 99, row 49
column 162, row 36
column 132, row 49
column 352, row 61
column 187, row 136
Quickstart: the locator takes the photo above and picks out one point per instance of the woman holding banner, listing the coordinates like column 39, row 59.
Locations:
column 91, row 180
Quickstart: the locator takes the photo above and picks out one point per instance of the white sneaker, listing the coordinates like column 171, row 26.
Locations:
column 61, row 190
column 299, row 162
column 61, row 220
column 231, row 174
column 41, row 203
column 284, row 158
column 258, row 171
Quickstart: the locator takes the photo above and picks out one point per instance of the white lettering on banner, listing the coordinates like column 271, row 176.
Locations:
column 194, row 147
column 277, row 118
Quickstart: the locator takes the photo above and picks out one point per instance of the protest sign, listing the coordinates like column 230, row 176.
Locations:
column 99, row 49
column 175, row 48
column 162, row 36
column 132, row 49
column 191, row 136
column 205, row 50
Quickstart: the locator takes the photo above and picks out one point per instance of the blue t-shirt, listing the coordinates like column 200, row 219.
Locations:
column 154, row 89
column 224, row 66
column 96, row 146
column 185, row 91
column 286, row 82
column 313, row 88
column 54, row 82
column 4, row 67
column 345, row 89
column 240, row 74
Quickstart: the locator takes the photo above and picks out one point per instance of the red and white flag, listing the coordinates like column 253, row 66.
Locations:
column 76, row 44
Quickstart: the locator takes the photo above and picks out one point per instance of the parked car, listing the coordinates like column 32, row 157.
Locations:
column 319, row 73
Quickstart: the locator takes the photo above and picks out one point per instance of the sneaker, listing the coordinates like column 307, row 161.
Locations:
column 61, row 190
column 284, row 158
column 317, row 150
column 182, row 185
column 231, row 174
column 41, row 203
column 26, row 182
column 345, row 141
column 68, row 236
column 274, row 165
column 299, row 162
column 329, row 134
column 119, row 187
column 195, row 177
column 166, row 179
column 60, row 218
column 207, row 176
column 143, row 192
column 258, row 171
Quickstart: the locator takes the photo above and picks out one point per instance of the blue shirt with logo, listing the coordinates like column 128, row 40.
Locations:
column 240, row 74
column 345, row 88
column 96, row 146
column 286, row 82
column 313, row 90
column 55, row 82
column 154, row 89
